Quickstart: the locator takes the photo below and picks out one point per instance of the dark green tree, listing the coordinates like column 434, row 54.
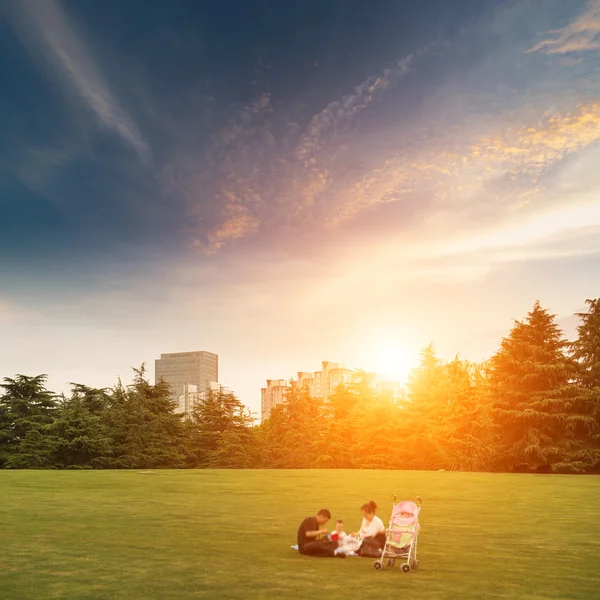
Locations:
column 218, row 432
column 26, row 410
column 144, row 429
column 586, row 351
column 536, row 400
column 80, row 429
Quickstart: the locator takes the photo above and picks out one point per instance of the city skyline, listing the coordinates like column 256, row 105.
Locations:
column 322, row 384
column 282, row 182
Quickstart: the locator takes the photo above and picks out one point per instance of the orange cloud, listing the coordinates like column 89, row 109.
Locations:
column 581, row 35
column 532, row 148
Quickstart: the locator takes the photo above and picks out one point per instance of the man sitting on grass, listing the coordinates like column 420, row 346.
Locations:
column 312, row 536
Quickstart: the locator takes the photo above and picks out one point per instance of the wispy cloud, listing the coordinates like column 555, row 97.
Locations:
column 34, row 166
column 581, row 35
column 533, row 147
column 458, row 161
column 45, row 27
column 263, row 168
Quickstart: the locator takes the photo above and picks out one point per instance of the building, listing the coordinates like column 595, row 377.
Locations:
column 181, row 369
column 272, row 395
column 322, row 384
column 334, row 375
column 191, row 397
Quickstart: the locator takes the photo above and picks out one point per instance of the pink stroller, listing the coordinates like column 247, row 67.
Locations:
column 401, row 537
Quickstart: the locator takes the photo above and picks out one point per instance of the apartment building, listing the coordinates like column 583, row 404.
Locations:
column 321, row 384
column 272, row 395
column 191, row 397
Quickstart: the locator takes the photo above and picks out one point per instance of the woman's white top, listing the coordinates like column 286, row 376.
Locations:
column 371, row 528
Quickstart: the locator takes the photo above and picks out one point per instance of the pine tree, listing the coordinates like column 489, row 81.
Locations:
column 336, row 439
column 427, row 398
column 81, row 433
column 26, row 410
column 535, row 400
column 145, row 432
column 294, row 432
column 467, row 434
column 219, row 434
column 586, row 351
column 378, row 440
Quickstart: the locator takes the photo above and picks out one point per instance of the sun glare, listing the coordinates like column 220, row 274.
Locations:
column 391, row 361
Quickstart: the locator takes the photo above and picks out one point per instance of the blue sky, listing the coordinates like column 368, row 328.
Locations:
column 285, row 183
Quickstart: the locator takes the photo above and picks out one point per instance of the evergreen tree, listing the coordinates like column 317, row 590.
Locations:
column 145, row 432
column 586, row 351
column 467, row 433
column 336, row 439
column 26, row 410
column 427, row 399
column 294, row 431
column 219, row 434
column 80, row 429
column 535, row 400
column 378, row 440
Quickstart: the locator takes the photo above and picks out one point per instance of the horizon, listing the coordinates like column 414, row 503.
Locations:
column 283, row 184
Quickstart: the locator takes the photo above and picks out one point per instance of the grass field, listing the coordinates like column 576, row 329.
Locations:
column 226, row 534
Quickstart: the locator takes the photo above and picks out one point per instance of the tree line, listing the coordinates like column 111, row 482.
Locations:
column 534, row 406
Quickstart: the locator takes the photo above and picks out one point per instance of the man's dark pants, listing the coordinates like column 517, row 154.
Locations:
column 319, row 548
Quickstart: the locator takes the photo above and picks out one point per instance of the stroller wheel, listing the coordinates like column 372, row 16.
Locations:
column 378, row 565
column 415, row 564
column 406, row 568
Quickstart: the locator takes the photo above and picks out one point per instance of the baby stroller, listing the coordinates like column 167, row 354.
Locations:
column 401, row 537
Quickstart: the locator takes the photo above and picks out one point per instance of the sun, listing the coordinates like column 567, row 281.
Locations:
column 391, row 360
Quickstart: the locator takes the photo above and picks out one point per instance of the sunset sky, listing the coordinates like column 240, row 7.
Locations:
column 289, row 182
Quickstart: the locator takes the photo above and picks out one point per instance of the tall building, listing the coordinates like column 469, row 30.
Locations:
column 181, row 369
column 322, row 384
column 191, row 397
column 272, row 395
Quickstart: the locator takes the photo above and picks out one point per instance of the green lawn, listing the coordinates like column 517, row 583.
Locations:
column 226, row 534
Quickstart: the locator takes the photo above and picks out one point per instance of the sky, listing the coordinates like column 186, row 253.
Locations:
column 290, row 182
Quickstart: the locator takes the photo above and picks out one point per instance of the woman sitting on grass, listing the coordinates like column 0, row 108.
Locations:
column 372, row 531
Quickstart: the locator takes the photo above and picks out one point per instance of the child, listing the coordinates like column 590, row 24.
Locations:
column 346, row 543
column 338, row 535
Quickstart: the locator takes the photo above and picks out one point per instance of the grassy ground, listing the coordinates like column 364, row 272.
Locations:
column 226, row 534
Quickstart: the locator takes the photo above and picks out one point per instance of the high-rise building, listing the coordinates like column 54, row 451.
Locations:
column 181, row 369
column 322, row 384
column 272, row 395
column 191, row 397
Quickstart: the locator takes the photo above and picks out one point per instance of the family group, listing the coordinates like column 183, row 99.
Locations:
column 314, row 539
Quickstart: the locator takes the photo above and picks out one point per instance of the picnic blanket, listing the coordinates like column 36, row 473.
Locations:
column 349, row 546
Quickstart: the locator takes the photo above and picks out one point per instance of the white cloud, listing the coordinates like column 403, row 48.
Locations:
column 45, row 27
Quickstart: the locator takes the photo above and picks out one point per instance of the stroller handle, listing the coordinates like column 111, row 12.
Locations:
column 419, row 499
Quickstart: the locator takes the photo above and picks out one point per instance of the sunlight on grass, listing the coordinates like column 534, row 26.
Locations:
column 226, row 534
